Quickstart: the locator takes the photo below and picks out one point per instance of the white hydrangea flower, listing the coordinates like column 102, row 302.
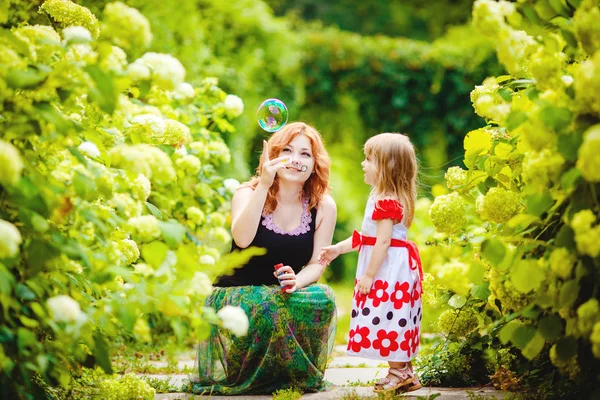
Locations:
column 153, row 122
column 10, row 239
column 185, row 91
column 207, row 260
column 182, row 151
column 141, row 187
column 64, row 309
column 11, row 164
column 234, row 105
column 138, row 71
column 77, row 34
column 195, row 215
column 167, row 71
column 89, row 149
column 567, row 80
column 231, row 185
column 143, row 269
column 234, row 319
column 201, row 284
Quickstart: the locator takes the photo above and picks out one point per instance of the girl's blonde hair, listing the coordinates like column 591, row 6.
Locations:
column 317, row 185
column 395, row 162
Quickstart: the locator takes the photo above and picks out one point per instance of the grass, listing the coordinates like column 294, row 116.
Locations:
column 287, row 394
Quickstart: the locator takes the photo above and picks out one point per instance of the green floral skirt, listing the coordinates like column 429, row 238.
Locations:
column 288, row 343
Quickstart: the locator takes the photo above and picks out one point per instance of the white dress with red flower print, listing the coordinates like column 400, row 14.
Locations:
column 386, row 323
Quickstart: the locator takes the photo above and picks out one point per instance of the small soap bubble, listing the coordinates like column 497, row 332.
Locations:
column 272, row 115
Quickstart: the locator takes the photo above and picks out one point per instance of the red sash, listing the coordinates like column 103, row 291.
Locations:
column 413, row 252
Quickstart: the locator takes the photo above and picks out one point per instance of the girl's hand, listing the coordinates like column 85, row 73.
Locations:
column 364, row 284
column 287, row 277
column 328, row 254
column 270, row 167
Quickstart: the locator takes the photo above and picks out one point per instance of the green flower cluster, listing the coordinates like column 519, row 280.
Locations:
column 448, row 213
column 499, row 205
column 458, row 322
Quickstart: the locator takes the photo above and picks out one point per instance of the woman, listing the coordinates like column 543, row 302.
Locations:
column 287, row 210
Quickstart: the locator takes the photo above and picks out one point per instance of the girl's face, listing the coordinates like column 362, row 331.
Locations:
column 369, row 169
column 302, row 161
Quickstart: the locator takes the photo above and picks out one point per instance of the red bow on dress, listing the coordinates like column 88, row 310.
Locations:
column 413, row 251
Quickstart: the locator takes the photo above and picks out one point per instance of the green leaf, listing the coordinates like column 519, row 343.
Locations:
column 25, row 78
column 531, row 14
column 566, row 238
column 154, row 211
column 481, row 291
column 154, row 253
column 571, row 178
column 6, row 280
column 80, row 157
column 25, row 339
column 505, row 94
column 85, row 187
column 104, row 93
column 457, row 301
column 515, row 118
column 533, row 348
column 24, row 293
column 508, row 330
column 493, row 250
column 38, row 253
column 522, row 336
column 568, row 293
column 539, row 203
column 101, row 352
column 179, row 329
column 172, row 232
column 555, row 118
column 476, row 272
column 568, row 145
column 47, row 112
column 550, row 326
column 566, row 348
column 16, row 42
column 526, row 275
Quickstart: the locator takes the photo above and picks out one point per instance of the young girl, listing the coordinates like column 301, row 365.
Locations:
column 386, row 311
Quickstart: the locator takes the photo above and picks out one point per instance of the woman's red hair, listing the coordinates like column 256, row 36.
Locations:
column 317, row 185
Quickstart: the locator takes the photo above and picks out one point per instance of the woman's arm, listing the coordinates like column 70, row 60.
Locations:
column 385, row 228
column 246, row 208
column 327, row 212
column 247, row 203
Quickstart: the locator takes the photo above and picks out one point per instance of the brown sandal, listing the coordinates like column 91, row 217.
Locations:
column 386, row 384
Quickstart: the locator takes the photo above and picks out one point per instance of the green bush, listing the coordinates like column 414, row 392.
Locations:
column 111, row 207
column 522, row 219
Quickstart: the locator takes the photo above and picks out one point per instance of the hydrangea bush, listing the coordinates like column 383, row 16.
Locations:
column 523, row 216
column 111, row 206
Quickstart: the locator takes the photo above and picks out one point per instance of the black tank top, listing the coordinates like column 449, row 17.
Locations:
column 293, row 249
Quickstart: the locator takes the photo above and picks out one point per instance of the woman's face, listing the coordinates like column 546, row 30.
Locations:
column 370, row 171
column 300, row 152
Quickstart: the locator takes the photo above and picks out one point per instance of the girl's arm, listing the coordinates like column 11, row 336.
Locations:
column 330, row 253
column 380, row 249
column 312, row 272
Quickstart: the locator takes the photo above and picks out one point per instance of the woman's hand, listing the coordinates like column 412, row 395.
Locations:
column 287, row 278
column 364, row 284
column 328, row 254
column 270, row 167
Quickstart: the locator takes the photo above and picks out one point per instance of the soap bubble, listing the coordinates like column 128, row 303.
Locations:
column 272, row 115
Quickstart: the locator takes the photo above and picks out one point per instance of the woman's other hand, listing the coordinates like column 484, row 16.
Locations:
column 287, row 278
